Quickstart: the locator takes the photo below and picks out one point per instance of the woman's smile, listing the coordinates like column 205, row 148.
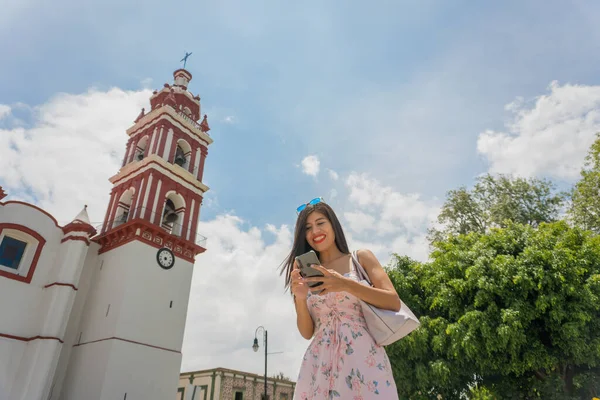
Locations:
column 319, row 239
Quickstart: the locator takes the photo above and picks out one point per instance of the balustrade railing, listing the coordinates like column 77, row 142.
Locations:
column 186, row 117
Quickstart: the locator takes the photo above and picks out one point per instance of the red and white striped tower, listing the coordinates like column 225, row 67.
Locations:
column 132, row 324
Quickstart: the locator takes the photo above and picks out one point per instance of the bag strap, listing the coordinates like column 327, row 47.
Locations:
column 360, row 271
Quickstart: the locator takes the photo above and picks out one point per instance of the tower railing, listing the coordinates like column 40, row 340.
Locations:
column 168, row 222
column 188, row 119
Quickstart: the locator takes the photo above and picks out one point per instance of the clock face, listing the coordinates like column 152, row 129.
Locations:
column 165, row 258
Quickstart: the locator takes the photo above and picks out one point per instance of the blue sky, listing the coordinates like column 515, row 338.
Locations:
column 404, row 100
column 417, row 81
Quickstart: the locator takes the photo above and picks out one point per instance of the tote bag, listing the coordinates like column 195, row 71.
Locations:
column 385, row 326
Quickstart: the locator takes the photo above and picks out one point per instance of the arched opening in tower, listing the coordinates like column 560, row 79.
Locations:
column 183, row 154
column 173, row 214
column 124, row 207
column 140, row 149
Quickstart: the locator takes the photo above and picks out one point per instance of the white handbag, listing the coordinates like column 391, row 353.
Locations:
column 385, row 326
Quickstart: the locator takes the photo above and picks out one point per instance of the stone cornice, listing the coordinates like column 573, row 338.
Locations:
column 158, row 163
column 143, row 231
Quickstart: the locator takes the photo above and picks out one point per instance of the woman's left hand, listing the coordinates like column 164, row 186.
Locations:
column 332, row 280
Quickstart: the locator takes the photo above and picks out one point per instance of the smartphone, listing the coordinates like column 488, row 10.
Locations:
column 305, row 262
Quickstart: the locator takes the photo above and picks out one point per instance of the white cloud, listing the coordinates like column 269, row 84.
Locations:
column 416, row 247
column 4, row 110
column 332, row 194
column 360, row 221
column 396, row 211
column 230, row 119
column 386, row 221
column 549, row 137
column 75, row 143
column 333, row 175
column 311, row 165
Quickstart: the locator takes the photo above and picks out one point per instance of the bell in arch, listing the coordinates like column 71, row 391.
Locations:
column 179, row 157
column 169, row 215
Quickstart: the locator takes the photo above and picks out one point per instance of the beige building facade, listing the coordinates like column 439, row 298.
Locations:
column 228, row 384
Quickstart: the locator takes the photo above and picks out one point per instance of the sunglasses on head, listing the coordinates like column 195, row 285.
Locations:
column 310, row 203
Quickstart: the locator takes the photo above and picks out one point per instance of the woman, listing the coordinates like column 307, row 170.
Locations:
column 342, row 361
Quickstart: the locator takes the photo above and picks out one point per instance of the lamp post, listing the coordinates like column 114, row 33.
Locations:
column 255, row 348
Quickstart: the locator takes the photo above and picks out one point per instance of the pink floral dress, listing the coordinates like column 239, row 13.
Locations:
column 343, row 361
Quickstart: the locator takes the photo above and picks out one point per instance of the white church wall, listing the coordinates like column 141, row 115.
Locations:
column 86, row 372
column 37, row 366
column 72, row 334
column 34, row 321
column 129, row 306
column 102, row 306
column 153, row 373
column 20, row 316
column 54, row 300
column 131, row 298
column 156, row 298
column 68, row 265
column 26, row 350
column 11, row 352
column 108, row 369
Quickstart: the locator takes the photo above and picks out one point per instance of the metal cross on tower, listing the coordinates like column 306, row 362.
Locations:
column 184, row 59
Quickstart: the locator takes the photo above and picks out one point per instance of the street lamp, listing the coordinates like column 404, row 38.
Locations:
column 255, row 348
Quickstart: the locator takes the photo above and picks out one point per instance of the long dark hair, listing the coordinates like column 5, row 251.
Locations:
column 301, row 245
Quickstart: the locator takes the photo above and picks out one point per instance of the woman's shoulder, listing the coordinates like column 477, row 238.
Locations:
column 365, row 255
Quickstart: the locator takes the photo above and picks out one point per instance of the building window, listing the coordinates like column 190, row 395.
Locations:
column 283, row 396
column 239, row 396
column 20, row 249
column 11, row 252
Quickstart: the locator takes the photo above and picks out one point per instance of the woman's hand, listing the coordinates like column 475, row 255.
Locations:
column 332, row 281
column 299, row 285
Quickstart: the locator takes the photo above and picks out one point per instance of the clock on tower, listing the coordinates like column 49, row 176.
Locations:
column 165, row 258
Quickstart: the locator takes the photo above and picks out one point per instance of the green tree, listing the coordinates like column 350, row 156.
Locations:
column 493, row 201
column 585, row 205
column 510, row 314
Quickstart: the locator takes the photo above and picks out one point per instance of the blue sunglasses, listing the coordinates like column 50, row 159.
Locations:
column 310, row 203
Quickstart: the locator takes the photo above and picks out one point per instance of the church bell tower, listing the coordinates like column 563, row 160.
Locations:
column 133, row 320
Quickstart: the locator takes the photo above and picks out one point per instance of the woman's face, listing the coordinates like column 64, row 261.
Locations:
column 319, row 232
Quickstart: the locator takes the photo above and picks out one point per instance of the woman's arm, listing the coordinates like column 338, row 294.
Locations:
column 382, row 294
column 300, row 291
column 303, row 319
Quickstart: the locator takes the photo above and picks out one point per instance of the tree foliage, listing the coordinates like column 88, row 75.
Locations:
column 585, row 206
column 513, row 313
column 493, row 201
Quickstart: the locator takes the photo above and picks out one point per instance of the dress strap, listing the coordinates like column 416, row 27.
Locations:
column 353, row 266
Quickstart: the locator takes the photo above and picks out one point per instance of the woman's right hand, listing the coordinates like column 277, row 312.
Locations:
column 299, row 287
